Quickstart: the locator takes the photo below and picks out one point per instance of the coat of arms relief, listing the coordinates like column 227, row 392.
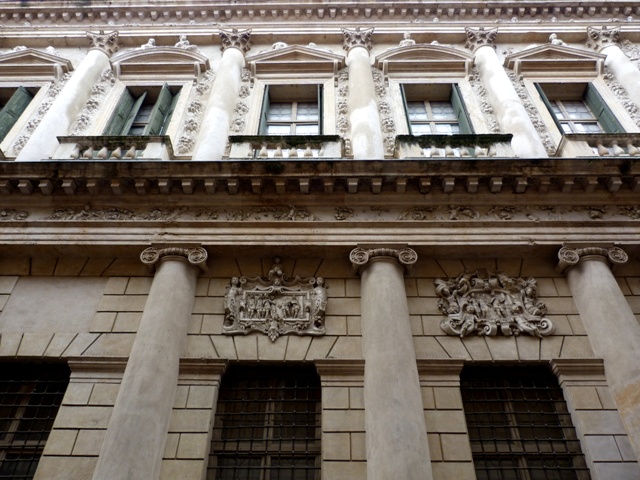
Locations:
column 275, row 305
column 484, row 303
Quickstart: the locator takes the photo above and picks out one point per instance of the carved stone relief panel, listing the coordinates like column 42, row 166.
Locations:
column 195, row 112
column 384, row 107
column 275, row 305
column 481, row 94
column 484, row 303
column 342, row 122
column 91, row 108
column 239, row 122
column 622, row 95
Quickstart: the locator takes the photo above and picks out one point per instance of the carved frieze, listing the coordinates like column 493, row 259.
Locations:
column 275, row 305
column 484, row 303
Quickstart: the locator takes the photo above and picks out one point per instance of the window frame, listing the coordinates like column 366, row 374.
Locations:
column 264, row 121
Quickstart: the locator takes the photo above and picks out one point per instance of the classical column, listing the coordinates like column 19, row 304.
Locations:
column 67, row 106
column 612, row 327
column 366, row 132
column 214, row 133
column 396, row 435
column 606, row 41
column 503, row 97
column 137, row 432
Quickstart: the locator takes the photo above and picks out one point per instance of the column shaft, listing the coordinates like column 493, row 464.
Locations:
column 213, row 136
column 614, row 334
column 624, row 70
column 366, row 133
column 136, row 435
column 65, row 108
column 506, row 103
column 396, row 434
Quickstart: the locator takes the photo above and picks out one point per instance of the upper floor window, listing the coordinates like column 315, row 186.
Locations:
column 267, row 424
column 143, row 111
column 435, row 109
column 13, row 102
column 291, row 110
column 578, row 108
column 30, row 396
column 519, row 425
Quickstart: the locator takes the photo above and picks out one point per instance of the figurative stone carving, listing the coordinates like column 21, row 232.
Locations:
column 276, row 305
column 489, row 304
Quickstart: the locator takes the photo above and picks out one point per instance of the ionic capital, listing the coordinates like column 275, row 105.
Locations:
column 571, row 256
column 196, row 256
column 360, row 257
column 598, row 38
column 105, row 42
column 478, row 37
column 357, row 38
column 234, row 38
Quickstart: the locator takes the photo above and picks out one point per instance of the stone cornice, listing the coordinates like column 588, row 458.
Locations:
column 521, row 176
column 196, row 256
column 569, row 256
column 199, row 11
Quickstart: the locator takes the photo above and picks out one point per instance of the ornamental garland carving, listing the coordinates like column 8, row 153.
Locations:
column 239, row 121
column 387, row 123
column 275, row 305
column 98, row 93
column 342, row 119
column 489, row 304
column 621, row 93
column 485, row 105
column 195, row 111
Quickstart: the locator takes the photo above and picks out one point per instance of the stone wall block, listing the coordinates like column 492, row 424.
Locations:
column 69, row 266
column 320, row 347
column 193, row 445
column 353, row 325
column 347, row 347
column 59, row 343
column 453, row 347
column 111, row 345
column 7, row 283
column 268, row 350
column 34, row 344
column 60, row 442
column 297, row 348
column 89, row 442
column 225, row 346
column 200, row 346
column 212, row 324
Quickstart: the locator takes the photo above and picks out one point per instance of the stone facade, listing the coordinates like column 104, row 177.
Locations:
column 388, row 258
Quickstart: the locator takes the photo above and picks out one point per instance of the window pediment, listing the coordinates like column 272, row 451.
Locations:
column 167, row 62
column 296, row 60
column 425, row 58
column 31, row 64
column 555, row 59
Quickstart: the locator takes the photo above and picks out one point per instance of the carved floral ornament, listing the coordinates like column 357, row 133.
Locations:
column 488, row 304
column 357, row 38
column 477, row 38
column 106, row 42
column 275, row 305
column 196, row 256
column 604, row 37
column 240, row 39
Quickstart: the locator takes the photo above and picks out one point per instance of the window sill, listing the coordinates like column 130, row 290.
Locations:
column 124, row 147
column 453, row 146
column 599, row 145
column 286, row 146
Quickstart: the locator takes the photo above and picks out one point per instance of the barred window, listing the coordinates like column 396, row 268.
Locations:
column 519, row 425
column 30, row 395
column 267, row 425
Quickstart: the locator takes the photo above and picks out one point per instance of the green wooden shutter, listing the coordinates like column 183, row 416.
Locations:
column 159, row 112
column 406, row 108
column 600, row 109
column 167, row 118
column 13, row 109
column 320, row 102
column 133, row 113
column 120, row 115
column 264, row 112
column 461, row 110
column 547, row 104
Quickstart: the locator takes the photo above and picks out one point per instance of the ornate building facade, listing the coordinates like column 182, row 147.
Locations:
column 319, row 240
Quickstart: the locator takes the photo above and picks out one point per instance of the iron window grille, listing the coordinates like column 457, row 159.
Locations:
column 267, row 425
column 30, row 396
column 519, row 425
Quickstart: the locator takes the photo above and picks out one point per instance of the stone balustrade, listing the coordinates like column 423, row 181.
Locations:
column 453, row 146
column 129, row 147
column 600, row 145
column 286, row 146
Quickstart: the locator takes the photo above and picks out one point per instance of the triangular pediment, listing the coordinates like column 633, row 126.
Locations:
column 424, row 58
column 298, row 59
column 549, row 59
column 168, row 62
column 33, row 64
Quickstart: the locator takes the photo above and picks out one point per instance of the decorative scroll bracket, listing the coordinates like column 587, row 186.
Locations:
column 487, row 304
column 196, row 256
column 275, row 305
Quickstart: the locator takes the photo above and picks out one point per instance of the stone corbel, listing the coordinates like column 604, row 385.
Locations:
column 357, row 38
column 359, row 257
column 598, row 39
column 196, row 256
column 477, row 38
column 234, row 38
column 105, row 42
column 570, row 256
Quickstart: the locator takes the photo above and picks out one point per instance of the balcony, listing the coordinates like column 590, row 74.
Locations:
column 599, row 145
column 442, row 147
column 130, row 147
column 298, row 147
